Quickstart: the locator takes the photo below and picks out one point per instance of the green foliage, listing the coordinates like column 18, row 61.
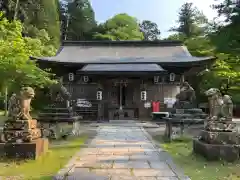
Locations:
column 15, row 50
column 47, row 18
column 200, row 46
column 176, row 36
column 81, row 20
column 150, row 30
column 191, row 21
column 36, row 14
column 120, row 27
column 224, row 73
column 216, row 39
column 227, row 36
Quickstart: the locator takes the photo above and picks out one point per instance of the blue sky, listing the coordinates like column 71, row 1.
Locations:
column 163, row 12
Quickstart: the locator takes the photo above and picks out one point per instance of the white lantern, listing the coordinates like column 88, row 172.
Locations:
column 85, row 79
column 143, row 95
column 156, row 79
column 99, row 95
column 172, row 77
column 71, row 77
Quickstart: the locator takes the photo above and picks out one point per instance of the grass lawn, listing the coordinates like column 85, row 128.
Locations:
column 196, row 167
column 45, row 166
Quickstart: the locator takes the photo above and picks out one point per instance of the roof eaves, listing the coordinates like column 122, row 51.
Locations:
column 123, row 43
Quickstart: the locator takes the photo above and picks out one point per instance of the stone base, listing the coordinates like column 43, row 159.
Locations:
column 214, row 152
column 220, row 137
column 20, row 124
column 30, row 150
column 220, row 126
column 24, row 135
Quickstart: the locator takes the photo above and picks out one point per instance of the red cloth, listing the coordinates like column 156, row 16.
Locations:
column 155, row 106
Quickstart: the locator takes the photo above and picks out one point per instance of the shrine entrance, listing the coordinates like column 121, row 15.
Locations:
column 122, row 87
column 120, row 99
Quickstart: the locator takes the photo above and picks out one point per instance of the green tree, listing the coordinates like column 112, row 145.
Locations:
column 80, row 18
column 120, row 27
column 191, row 21
column 150, row 30
column 225, row 72
column 220, row 40
column 223, row 75
column 176, row 36
column 36, row 14
column 15, row 66
column 227, row 36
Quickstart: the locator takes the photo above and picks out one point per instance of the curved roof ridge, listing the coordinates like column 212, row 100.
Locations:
column 124, row 43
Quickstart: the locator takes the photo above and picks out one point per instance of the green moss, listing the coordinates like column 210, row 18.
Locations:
column 196, row 167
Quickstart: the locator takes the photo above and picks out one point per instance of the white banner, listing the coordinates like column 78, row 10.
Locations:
column 83, row 103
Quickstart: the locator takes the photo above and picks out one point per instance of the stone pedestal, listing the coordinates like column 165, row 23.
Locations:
column 20, row 124
column 213, row 152
column 22, row 139
column 20, row 130
column 220, row 126
column 220, row 137
column 218, row 141
column 30, row 150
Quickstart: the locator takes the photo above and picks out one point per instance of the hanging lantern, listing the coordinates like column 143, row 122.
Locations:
column 85, row 79
column 143, row 95
column 172, row 77
column 71, row 77
column 156, row 79
column 99, row 95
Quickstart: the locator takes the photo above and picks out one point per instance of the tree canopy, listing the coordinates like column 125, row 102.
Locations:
column 120, row 27
column 150, row 30
column 191, row 21
column 35, row 15
column 79, row 19
column 216, row 39
column 15, row 50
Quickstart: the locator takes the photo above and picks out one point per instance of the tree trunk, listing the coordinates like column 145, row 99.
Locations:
column 16, row 10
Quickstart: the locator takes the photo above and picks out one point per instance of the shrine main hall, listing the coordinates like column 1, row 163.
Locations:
column 107, row 79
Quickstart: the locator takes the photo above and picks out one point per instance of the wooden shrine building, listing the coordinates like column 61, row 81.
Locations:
column 108, row 78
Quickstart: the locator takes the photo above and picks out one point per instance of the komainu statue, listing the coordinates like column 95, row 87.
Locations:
column 227, row 108
column 186, row 98
column 20, row 104
column 59, row 94
column 220, row 107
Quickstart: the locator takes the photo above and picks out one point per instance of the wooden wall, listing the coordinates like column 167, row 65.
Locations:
column 87, row 90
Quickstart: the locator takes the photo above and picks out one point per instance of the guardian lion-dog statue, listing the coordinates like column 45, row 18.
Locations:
column 221, row 107
column 186, row 98
column 20, row 104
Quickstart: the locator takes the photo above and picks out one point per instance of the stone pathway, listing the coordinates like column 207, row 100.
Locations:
column 121, row 153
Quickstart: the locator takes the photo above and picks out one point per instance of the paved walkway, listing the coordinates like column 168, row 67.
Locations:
column 121, row 153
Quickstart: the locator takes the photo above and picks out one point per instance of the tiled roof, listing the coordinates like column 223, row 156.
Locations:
column 123, row 52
